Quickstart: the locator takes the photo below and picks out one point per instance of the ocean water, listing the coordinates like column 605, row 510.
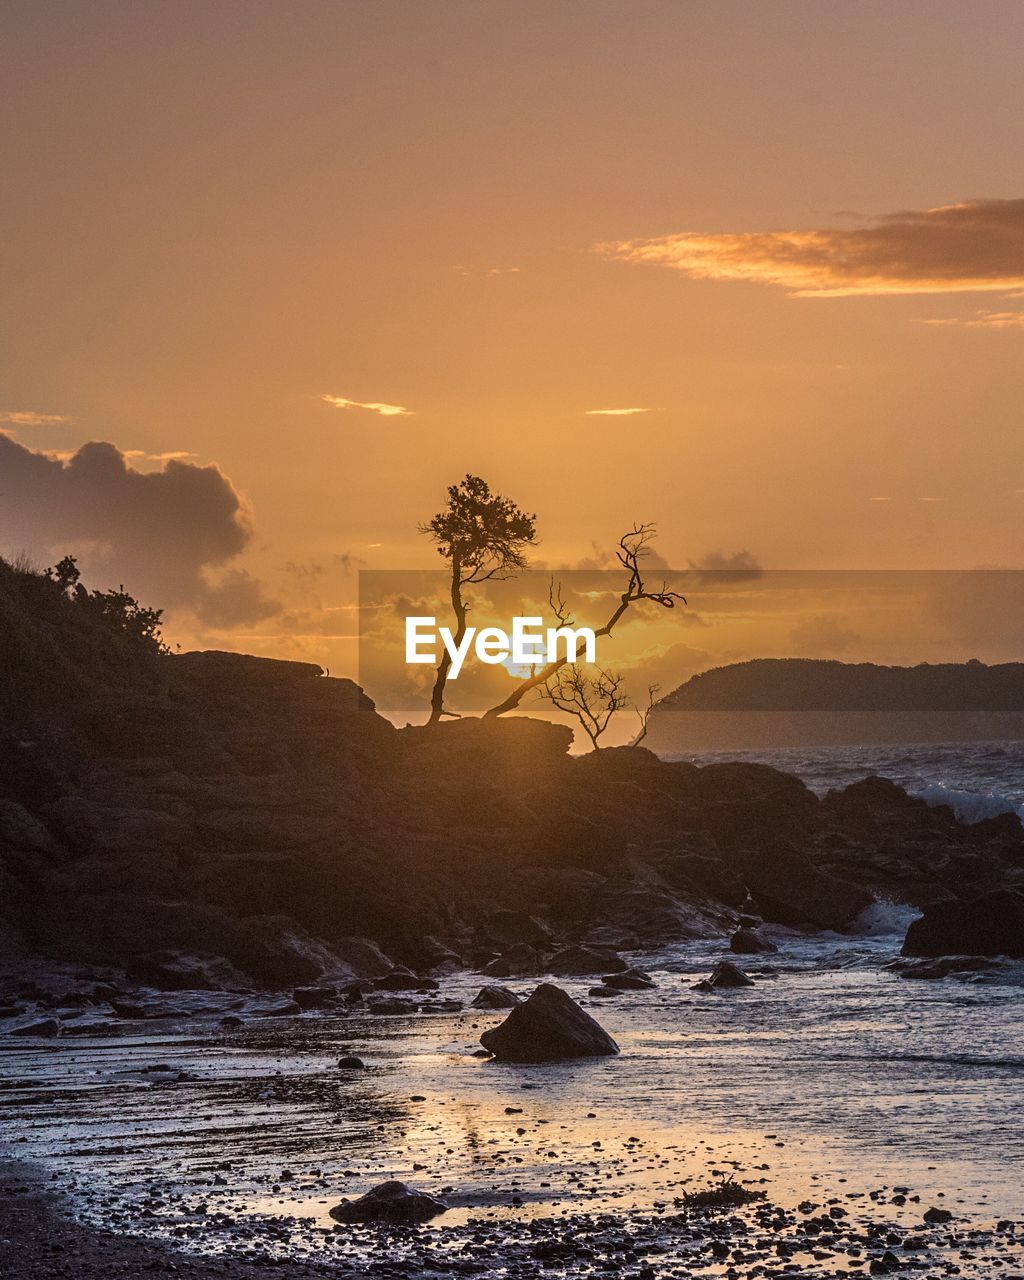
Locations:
column 979, row 779
column 831, row 1079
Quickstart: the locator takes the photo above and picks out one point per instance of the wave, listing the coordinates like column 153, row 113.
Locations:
column 954, row 1060
column 883, row 919
column 969, row 806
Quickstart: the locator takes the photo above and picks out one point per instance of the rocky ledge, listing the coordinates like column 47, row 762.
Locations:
column 234, row 824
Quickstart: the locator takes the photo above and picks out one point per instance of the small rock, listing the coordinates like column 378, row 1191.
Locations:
column 495, row 998
column 389, row 1008
column 725, row 975
column 935, row 1216
column 630, row 980
column 748, row 942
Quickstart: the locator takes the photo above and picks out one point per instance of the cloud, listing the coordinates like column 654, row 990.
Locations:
column 983, row 320
column 614, row 413
column 235, row 600
column 977, row 245
column 172, row 455
column 29, row 418
column 716, row 566
column 374, row 406
column 822, row 637
column 159, row 532
column 488, row 271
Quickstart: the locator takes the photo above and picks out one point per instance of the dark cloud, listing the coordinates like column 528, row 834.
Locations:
column 970, row 246
column 158, row 532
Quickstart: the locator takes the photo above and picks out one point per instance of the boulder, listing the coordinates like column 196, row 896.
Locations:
column 44, row 1027
column 351, row 1063
column 992, row 925
column 390, row 1007
column 175, row 970
column 548, row 1027
column 791, row 890
column 517, row 928
column 402, row 979
column 517, row 962
column 392, row 1202
column 748, row 942
column 629, row 980
column 724, row 975
column 314, row 997
column 581, row 962
column 495, row 998
column 364, row 957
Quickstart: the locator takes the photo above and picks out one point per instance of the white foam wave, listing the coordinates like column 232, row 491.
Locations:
column 969, row 806
column 884, row 919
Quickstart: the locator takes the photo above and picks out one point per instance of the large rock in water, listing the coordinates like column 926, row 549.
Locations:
column 790, row 890
column 549, row 1027
column 992, row 925
column 390, row 1202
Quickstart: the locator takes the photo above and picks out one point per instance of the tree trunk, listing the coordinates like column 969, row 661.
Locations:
column 441, row 679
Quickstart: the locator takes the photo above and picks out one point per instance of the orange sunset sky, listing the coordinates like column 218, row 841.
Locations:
column 295, row 267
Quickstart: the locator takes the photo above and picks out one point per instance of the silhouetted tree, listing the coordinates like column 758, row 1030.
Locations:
column 632, row 550
column 483, row 535
column 592, row 700
column 652, row 698
column 116, row 609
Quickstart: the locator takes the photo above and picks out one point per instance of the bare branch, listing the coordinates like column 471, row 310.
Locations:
column 633, row 547
column 592, row 700
column 652, row 700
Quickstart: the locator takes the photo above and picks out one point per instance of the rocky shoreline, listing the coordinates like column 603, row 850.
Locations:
column 244, row 825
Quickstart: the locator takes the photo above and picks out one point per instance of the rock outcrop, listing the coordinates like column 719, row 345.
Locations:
column 992, row 925
column 219, row 822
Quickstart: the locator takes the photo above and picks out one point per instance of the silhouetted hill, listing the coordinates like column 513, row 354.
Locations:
column 811, row 684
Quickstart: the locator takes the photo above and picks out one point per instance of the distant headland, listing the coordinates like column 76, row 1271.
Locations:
column 793, row 702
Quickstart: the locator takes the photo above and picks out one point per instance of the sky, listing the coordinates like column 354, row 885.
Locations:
column 276, row 274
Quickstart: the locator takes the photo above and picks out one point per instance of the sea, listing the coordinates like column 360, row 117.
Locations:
column 978, row 779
